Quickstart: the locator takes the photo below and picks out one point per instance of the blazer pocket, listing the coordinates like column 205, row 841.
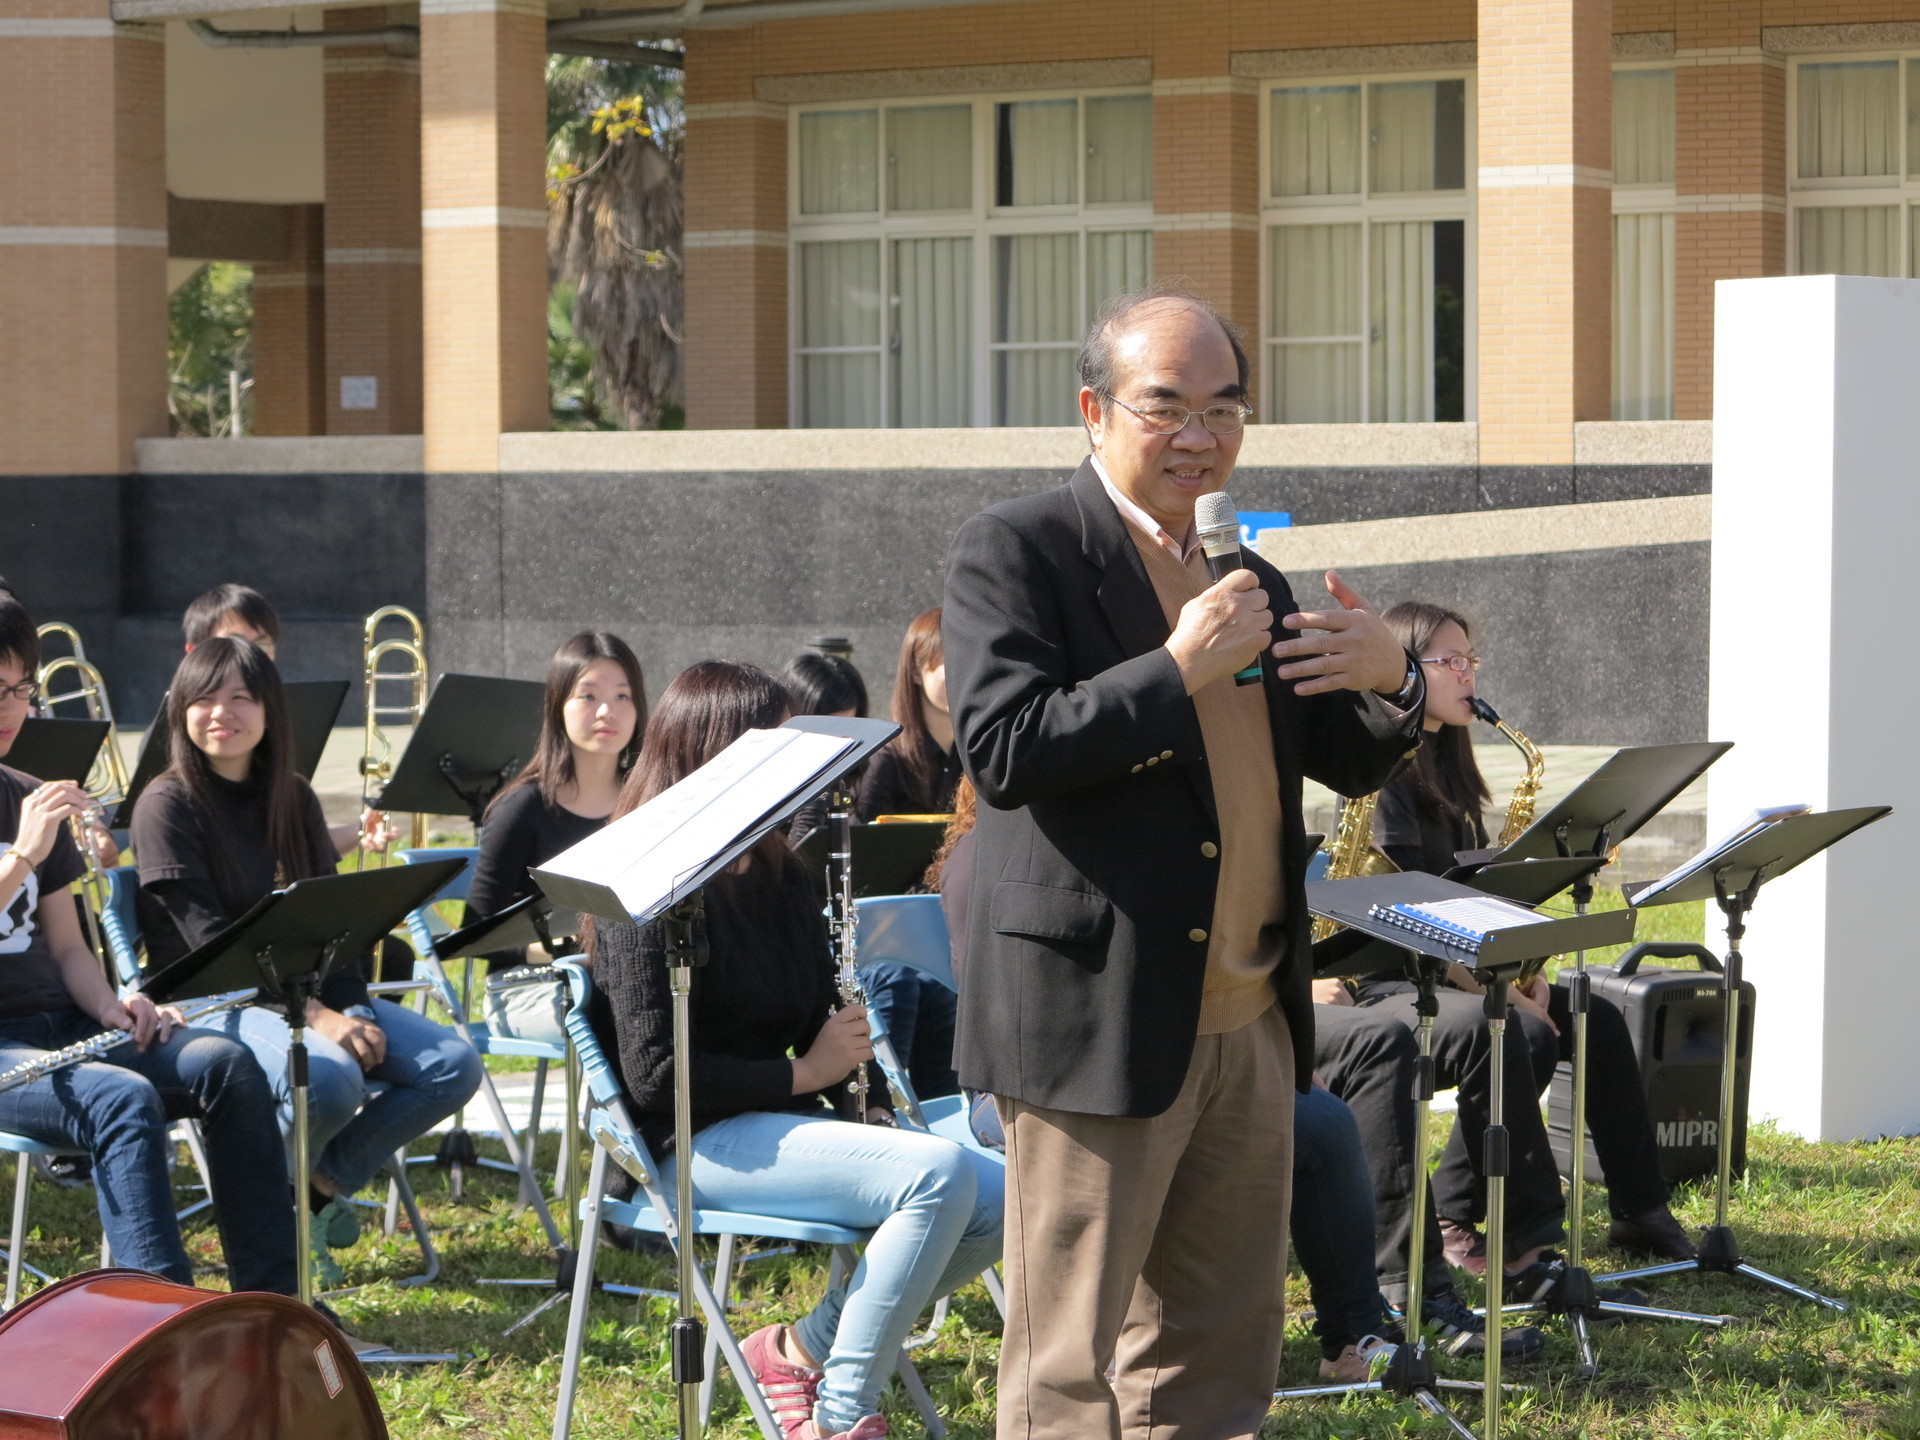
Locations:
column 1049, row 912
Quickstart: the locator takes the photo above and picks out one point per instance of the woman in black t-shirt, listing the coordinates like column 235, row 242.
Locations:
column 917, row 772
column 229, row 821
column 1423, row 817
column 596, row 707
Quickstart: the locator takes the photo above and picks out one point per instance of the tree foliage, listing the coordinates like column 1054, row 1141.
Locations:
column 209, row 336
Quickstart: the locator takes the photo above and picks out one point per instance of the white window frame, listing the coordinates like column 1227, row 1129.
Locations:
column 982, row 223
column 1900, row 189
column 1648, row 199
column 1365, row 209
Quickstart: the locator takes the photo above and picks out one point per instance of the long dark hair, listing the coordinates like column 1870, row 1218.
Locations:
column 207, row 668
column 552, row 765
column 824, row 684
column 1444, row 774
column 920, row 649
column 706, row 708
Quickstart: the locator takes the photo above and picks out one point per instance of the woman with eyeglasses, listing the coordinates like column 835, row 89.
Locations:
column 1423, row 818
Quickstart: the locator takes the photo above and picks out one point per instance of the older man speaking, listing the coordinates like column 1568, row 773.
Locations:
column 1136, row 991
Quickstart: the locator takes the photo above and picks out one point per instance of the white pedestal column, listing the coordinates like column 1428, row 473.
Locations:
column 1815, row 675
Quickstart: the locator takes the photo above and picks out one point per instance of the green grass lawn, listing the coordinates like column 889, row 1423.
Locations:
column 1842, row 1218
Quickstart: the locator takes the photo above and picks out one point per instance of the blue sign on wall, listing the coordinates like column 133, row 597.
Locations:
column 1252, row 522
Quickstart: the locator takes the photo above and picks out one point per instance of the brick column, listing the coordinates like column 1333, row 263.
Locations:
column 735, row 244
column 373, row 235
column 1206, row 217
column 83, row 239
column 1545, row 275
column 1730, row 174
column 290, row 333
column 483, row 226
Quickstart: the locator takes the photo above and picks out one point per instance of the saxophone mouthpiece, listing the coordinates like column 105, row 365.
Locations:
column 1482, row 710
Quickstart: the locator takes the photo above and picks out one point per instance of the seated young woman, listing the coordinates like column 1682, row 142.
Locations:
column 596, row 707
column 768, row 1067
column 1426, row 815
column 118, row 1107
column 819, row 684
column 228, row 821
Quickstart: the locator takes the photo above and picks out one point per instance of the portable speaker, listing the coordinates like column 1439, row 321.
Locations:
column 1675, row 1018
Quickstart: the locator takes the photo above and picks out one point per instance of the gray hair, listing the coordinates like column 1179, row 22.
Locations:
column 1095, row 360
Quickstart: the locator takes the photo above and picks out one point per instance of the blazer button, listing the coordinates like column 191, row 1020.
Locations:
column 1196, row 935
column 1209, row 849
column 1166, row 754
column 1153, row 760
column 1138, row 768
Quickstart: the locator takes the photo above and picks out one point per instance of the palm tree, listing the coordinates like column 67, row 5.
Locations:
column 614, row 220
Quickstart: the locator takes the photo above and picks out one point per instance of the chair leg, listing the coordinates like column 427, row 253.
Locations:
column 916, row 1389
column 19, row 1231
column 736, row 1362
column 582, row 1298
column 722, row 1288
column 390, row 1221
column 529, row 1187
column 990, row 1277
column 189, row 1132
column 397, row 1170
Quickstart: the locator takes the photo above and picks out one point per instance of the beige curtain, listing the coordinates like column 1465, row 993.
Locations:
column 1643, row 127
column 1848, row 118
column 1117, row 260
column 1036, row 279
column 1850, row 240
column 1643, row 317
column 1315, row 140
column 1041, row 141
column 1400, row 321
column 1119, row 149
column 933, row 332
column 930, row 157
column 1401, row 137
column 839, row 152
column 840, row 310
column 1313, row 286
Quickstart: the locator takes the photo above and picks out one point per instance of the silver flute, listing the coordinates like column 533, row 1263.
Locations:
column 846, row 927
column 92, row 1048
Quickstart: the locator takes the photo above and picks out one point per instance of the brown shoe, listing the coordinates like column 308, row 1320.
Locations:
column 1466, row 1247
column 1654, row 1233
column 1354, row 1364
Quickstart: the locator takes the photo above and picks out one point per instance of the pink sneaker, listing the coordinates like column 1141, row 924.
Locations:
column 790, row 1389
column 868, row 1427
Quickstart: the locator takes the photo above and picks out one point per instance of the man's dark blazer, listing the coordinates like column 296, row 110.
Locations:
column 1083, row 976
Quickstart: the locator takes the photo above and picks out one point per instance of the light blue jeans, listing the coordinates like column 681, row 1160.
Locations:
column 934, row 1208
column 429, row 1072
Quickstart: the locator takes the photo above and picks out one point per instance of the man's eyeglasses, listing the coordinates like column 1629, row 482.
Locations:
column 1222, row 419
column 1459, row 664
column 25, row 691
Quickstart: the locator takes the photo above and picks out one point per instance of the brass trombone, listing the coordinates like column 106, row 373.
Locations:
column 106, row 782
column 376, row 751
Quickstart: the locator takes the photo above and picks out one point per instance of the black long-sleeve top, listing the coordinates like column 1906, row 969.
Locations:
column 888, row 787
column 522, row 830
column 765, row 990
column 1418, row 836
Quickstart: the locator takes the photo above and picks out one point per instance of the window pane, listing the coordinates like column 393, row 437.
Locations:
column 1913, row 120
column 1418, row 135
column 1850, row 240
column 1848, row 118
column 1313, row 280
column 1036, row 162
column 933, row 332
column 930, row 158
column 1316, row 384
column 837, row 159
column 1400, row 325
column 1643, row 317
column 1035, row 277
column 1316, row 140
column 840, row 293
column 1117, row 261
column 1643, row 127
column 840, row 391
column 1119, row 149
column 1035, row 387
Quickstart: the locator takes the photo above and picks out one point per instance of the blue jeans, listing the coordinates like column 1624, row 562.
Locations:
column 918, row 1015
column 1332, row 1225
column 118, row 1108
column 429, row 1072
column 934, row 1209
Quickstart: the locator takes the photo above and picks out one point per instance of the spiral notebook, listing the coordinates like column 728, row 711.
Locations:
column 1463, row 923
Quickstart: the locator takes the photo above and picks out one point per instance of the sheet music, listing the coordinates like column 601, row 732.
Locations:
column 1757, row 821
column 642, row 856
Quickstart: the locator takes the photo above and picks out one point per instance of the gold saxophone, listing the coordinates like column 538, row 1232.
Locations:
column 1352, row 853
column 1527, row 793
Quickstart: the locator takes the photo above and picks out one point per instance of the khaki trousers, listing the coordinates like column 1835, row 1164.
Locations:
column 1158, row 1246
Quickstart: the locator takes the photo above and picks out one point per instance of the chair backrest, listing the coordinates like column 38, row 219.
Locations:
column 603, row 1081
column 423, row 925
column 121, row 925
column 908, row 930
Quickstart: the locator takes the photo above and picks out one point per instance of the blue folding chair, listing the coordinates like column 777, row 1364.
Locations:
column 424, row 927
column 26, row 1149
column 616, row 1139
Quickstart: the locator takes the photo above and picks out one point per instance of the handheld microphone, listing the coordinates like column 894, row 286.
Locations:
column 1218, row 526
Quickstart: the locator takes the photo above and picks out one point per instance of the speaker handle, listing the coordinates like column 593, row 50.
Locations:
column 1666, row 950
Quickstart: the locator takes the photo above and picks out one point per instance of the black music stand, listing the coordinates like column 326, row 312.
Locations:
column 473, row 737
column 684, row 910
column 286, row 944
column 313, row 706
column 887, row 859
column 50, row 749
column 1733, row 878
column 1502, row 957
